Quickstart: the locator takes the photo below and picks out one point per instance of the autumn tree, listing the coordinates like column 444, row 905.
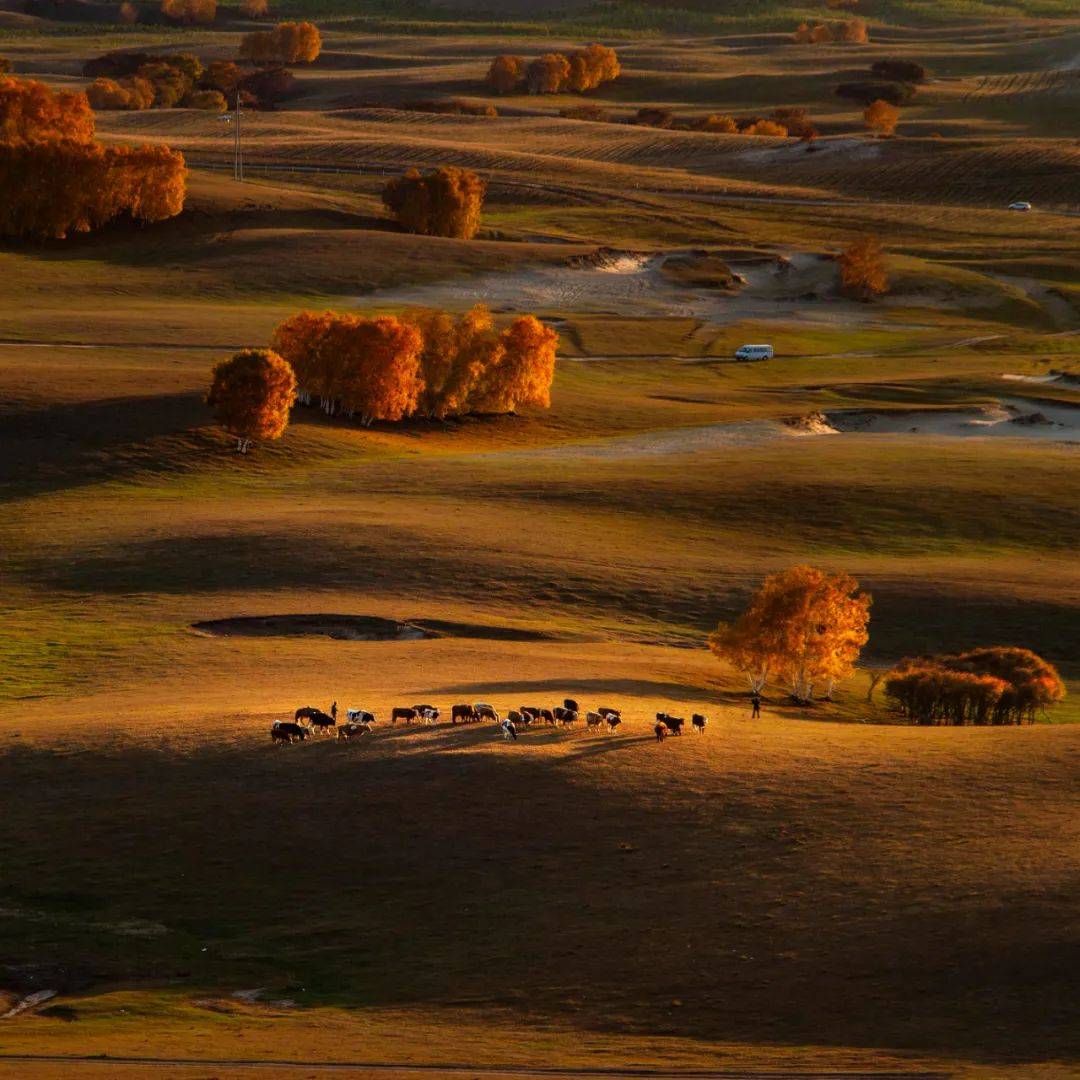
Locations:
column 30, row 111
column 717, row 123
column 590, row 67
column 862, row 269
column 525, row 369
column 287, row 43
column 221, row 75
column 881, row 117
column 251, row 395
column 506, row 74
column 254, row 9
column 207, row 100
column 189, row 11
column 547, row 74
column 127, row 14
column 766, row 129
column 444, row 202
column 108, row 94
column 803, row 625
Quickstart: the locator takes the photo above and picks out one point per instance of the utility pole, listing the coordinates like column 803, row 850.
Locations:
column 238, row 150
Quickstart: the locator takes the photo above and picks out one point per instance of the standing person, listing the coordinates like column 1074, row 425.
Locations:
column 333, row 712
column 755, row 701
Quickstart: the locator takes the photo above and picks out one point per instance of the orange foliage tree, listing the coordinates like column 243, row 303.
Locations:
column 251, row 394
column 547, row 74
column 881, row 117
column 189, row 11
column 506, row 74
column 862, row 269
column 804, row 625
column 982, row 686
column 444, row 202
column 766, row 128
column 430, row 363
column 54, row 179
column 287, row 43
column 254, row 9
column 850, row 30
column 30, row 111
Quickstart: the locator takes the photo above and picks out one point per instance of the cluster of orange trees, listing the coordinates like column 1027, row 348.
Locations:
column 55, row 179
column 862, row 269
column 430, row 364
column 847, row 30
column 443, row 202
column 287, row 43
column 788, row 121
column 982, row 686
column 189, row 11
column 804, row 626
column 146, row 80
column 554, row 73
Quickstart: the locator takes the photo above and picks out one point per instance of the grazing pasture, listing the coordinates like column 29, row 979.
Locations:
column 200, row 875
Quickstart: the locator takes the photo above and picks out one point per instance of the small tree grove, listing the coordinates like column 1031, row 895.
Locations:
column 443, row 202
column 251, row 395
column 881, row 118
column 999, row 685
column 554, row 73
column 56, row 180
column 287, row 43
column 430, row 364
column 803, row 625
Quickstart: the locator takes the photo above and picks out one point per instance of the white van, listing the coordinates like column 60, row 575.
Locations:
column 754, row 352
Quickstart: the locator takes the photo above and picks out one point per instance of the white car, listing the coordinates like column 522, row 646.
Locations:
column 1022, row 207
column 754, row 352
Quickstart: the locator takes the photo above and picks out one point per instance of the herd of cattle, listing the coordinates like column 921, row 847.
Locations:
column 309, row 720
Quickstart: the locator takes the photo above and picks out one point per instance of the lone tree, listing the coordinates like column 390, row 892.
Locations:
column 444, row 202
column 881, row 117
column 862, row 269
column 251, row 395
column 804, row 625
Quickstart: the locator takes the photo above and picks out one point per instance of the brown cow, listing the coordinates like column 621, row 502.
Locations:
column 465, row 713
column 400, row 713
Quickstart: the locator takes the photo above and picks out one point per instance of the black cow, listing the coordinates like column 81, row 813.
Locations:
column 306, row 713
column 400, row 713
column 465, row 713
column 699, row 722
column 321, row 721
column 284, row 732
column 571, row 704
column 606, row 711
column 547, row 716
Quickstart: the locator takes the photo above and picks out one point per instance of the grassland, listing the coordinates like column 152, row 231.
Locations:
column 821, row 889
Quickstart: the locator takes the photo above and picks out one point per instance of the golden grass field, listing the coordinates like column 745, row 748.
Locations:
column 819, row 891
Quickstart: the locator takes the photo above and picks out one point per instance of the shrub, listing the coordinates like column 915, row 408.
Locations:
column 849, row 30
column 997, row 685
column 717, row 123
column 221, row 75
column 654, row 117
column 445, row 202
column 795, row 120
column 547, row 74
column 254, row 9
column 287, row 43
column 866, row 93
column 56, row 187
column 881, row 117
column 106, row 94
column 769, row 128
column 30, row 111
column 593, row 113
column 207, row 100
column 453, row 107
column 862, row 269
column 899, row 71
column 189, row 11
column 506, row 74
column 267, row 86
column 251, row 395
